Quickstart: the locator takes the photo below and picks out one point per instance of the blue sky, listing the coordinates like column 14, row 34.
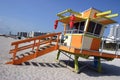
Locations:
column 39, row 15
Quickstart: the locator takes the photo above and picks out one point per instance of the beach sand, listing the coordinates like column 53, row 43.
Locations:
column 46, row 68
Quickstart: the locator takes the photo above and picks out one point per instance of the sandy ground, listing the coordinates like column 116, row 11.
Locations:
column 46, row 68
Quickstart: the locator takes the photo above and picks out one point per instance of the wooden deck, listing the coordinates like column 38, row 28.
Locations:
column 88, row 52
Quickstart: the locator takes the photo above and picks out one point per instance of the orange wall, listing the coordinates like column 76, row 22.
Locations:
column 86, row 14
column 76, row 41
column 95, row 44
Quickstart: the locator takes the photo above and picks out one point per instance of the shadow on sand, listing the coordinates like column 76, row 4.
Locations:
column 107, row 69
column 37, row 64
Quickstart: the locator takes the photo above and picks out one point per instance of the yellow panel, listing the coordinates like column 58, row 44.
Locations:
column 111, row 16
column 104, row 13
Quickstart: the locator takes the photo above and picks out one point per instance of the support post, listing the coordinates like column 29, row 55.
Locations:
column 76, row 66
column 58, row 54
column 97, row 64
column 57, row 43
column 37, row 50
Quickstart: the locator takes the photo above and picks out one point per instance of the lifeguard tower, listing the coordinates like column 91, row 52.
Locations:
column 83, row 34
column 82, row 37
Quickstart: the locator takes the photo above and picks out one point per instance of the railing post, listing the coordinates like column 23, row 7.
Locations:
column 102, row 46
column 51, row 39
column 37, row 50
column 15, row 51
column 33, row 45
column 117, row 46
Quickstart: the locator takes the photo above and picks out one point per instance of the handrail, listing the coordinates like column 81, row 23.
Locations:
column 37, row 41
column 113, row 41
column 35, row 38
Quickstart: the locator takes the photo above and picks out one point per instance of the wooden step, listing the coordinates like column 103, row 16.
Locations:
column 23, row 55
column 32, row 54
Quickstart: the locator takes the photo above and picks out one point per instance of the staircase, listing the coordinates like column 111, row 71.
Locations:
column 37, row 46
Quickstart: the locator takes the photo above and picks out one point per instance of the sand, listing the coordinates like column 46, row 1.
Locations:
column 46, row 68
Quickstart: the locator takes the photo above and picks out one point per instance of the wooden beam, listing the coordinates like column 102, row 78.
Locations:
column 104, row 13
column 111, row 16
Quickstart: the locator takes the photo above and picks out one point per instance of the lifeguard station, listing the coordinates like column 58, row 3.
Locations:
column 82, row 37
column 83, row 34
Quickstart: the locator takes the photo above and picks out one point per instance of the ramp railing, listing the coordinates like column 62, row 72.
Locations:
column 110, row 46
column 34, row 43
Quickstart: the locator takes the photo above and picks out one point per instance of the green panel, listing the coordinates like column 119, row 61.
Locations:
column 92, row 36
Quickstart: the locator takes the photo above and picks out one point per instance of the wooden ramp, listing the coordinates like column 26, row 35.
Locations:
column 35, row 47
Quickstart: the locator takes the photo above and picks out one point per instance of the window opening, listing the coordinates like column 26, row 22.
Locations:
column 94, row 28
column 82, row 25
column 78, row 27
column 98, row 29
column 91, row 27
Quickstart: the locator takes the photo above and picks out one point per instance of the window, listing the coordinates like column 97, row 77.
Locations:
column 94, row 28
column 98, row 29
column 82, row 24
column 78, row 27
column 91, row 27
